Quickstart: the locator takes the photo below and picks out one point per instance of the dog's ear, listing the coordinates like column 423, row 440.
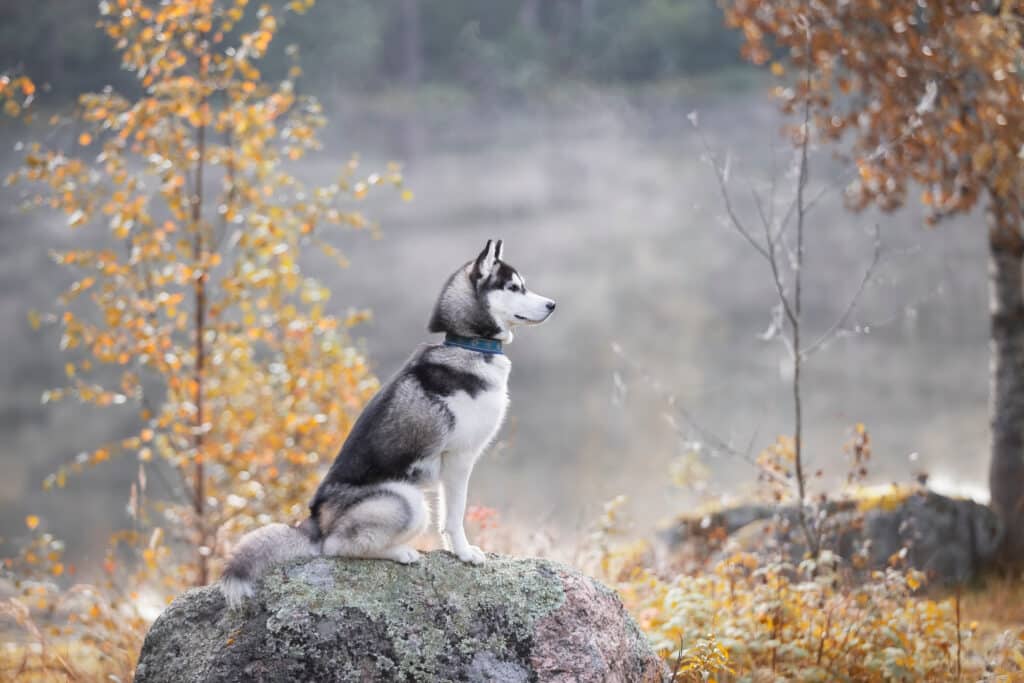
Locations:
column 497, row 251
column 484, row 263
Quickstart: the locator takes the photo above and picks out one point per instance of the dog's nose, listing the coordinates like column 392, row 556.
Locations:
column 551, row 305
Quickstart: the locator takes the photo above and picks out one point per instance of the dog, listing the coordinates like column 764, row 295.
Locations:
column 424, row 430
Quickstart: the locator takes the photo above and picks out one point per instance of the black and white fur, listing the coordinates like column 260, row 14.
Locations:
column 424, row 429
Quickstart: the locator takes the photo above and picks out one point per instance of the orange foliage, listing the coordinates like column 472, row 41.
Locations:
column 195, row 312
column 928, row 90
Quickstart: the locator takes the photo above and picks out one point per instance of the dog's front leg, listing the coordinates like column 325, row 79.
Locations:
column 455, row 473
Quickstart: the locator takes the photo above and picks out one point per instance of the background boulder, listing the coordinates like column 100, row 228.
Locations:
column 951, row 539
column 330, row 619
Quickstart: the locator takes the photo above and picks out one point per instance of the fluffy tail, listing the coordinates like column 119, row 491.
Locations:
column 260, row 549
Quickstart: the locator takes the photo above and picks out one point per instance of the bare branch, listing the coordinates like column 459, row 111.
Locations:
column 841, row 321
column 768, row 250
column 773, row 183
column 773, row 263
column 813, row 539
column 727, row 199
column 798, row 433
column 719, row 444
column 703, row 434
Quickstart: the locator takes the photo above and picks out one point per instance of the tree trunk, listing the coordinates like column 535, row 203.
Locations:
column 1006, row 470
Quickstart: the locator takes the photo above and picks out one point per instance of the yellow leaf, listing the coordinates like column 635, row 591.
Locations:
column 777, row 69
column 84, row 139
column 982, row 157
column 31, row 521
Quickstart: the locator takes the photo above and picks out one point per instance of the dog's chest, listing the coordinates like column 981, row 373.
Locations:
column 476, row 418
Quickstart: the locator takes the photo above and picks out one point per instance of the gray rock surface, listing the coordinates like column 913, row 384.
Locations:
column 951, row 539
column 331, row 619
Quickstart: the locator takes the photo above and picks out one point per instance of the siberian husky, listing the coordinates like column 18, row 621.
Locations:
column 424, row 429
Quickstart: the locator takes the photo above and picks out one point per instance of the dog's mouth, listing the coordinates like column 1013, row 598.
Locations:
column 533, row 321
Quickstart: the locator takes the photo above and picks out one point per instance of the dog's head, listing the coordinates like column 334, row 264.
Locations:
column 487, row 298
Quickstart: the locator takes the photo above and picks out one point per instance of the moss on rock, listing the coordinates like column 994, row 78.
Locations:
column 331, row 619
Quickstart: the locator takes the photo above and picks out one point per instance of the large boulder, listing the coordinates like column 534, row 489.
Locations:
column 330, row 619
column 953, row 540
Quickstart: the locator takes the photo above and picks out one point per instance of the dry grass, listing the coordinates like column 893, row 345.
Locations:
column 65, row 660
column 741, row 620
column 998, row 603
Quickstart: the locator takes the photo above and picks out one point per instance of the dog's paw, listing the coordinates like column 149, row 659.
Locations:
column 405, row 555
column 471, row 554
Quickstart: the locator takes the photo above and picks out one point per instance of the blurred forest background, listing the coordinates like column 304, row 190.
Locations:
column 561, row 127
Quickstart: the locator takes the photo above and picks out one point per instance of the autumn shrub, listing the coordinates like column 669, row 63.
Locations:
column 189, row 306
column 757, row 616
column 749, row 617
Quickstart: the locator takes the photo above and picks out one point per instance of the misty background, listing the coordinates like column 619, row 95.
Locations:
column 563, row 128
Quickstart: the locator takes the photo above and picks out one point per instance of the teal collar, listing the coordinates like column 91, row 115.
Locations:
column 480, row 344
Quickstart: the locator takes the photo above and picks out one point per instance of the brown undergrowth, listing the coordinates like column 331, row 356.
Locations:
column 748, row 618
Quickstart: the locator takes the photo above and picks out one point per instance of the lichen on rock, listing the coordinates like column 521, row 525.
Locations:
column 331, row 619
